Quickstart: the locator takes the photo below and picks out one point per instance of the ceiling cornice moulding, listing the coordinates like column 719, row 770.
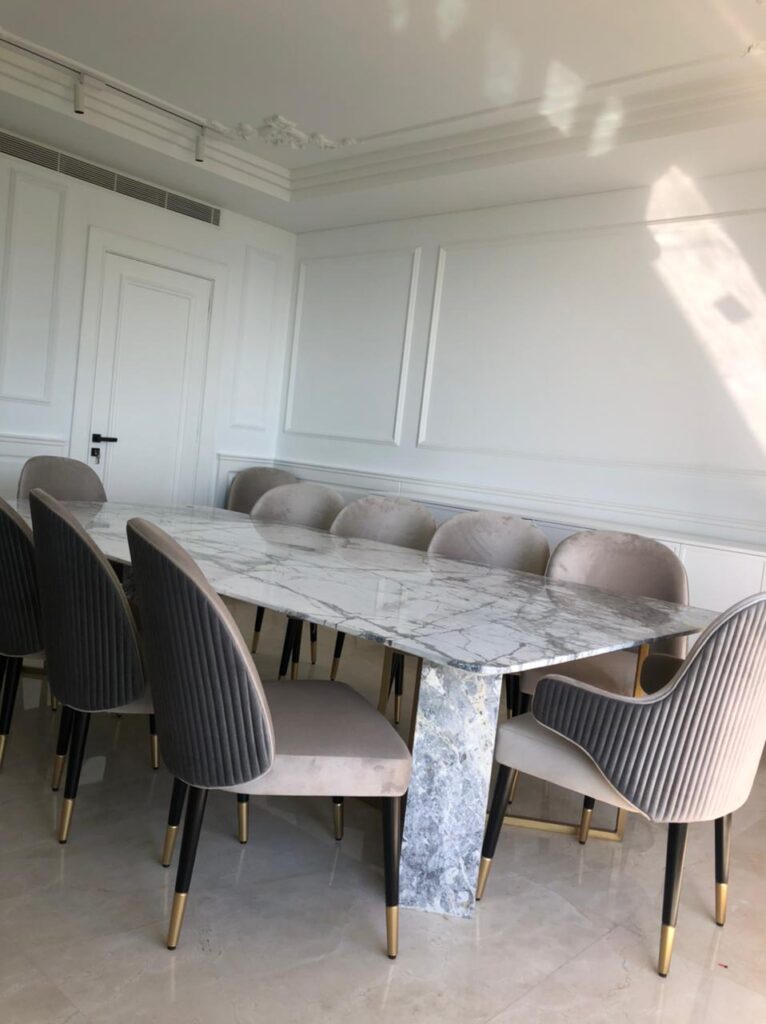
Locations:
column 600, row 120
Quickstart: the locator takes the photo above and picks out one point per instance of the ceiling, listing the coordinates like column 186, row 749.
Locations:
column 450, row 103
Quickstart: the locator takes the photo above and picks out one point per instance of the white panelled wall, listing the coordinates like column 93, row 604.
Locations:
column 593, row 361
column 55, row 233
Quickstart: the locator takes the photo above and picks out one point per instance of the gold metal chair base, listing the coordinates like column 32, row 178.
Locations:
column 585, row 820
column 392, row 932
column 155, row 750
column 484, row 868
column 59, row 760
column 667, row 935
column 337, row 818
column 169, row 845
column 242, row 821
column 176, row 918
column 65, row 820
column 721, row 901
column 334, row 668
column 3, row 740
column 566, row 828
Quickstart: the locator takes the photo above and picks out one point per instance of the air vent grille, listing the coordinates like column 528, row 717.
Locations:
column 33, row 153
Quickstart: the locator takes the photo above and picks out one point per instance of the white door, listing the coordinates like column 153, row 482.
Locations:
column 149, row 383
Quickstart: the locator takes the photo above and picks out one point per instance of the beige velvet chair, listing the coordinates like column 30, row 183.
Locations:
column 64, row 479
column 687, row 753
column 498, row 541
column 300, row 504
column 389, row 521
column 221, row 728
column 247, row 487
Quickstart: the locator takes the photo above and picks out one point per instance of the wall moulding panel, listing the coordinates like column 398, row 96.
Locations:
column 351, row 346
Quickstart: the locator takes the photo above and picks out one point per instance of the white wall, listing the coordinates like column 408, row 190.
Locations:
column 591, row 361
column 46, row 220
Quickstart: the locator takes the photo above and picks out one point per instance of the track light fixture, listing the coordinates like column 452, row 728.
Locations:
column 200, row 145
column 79, row 94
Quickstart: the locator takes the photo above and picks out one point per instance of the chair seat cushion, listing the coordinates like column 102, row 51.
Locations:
column 523, row 743
column 330, row 742
column 615, row 672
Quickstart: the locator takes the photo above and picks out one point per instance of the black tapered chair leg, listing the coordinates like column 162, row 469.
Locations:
column 10, row 690
column 398, row 672
column 177, row 798
column 674, row 869
column 337, row 816
column 287, row 647
column 392, row 842
column 80, row 725
column 494, row 825
column 313, row 634
column 154, row 745
column 243, row 801
column 62, row 746
column 259, row 613
column 296, row 651
column 588, row 804
column 195, row 812
column 722, row 856
column 340, row 639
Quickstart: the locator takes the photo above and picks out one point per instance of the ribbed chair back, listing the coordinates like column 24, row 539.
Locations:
column 492, row 539
column 64, row 479
column 624, row 563
column 91, row 643
column 301, row 504
column 213, row 719
column 690, row 752
column 251, row 484
column 20, row 620
column 387, row 520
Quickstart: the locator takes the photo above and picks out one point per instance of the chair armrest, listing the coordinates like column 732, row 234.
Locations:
column 658, row 670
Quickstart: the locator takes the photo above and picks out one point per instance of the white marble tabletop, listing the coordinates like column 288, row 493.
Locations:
column 448, row 612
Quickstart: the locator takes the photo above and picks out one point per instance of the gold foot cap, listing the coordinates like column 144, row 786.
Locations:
column 242, row 820
column 155, row 746
column 337, row 818
column 721, row 900
column 484, row 867
column 392, row 932
column 176, row 918
column 334, row 668
column 294, row 670
column 2, row 749
column 65, row 820
column 397, row 709
column 54, row 704
column 587, row 814
column 59, row 761
column 169, row 845
column 667, row 936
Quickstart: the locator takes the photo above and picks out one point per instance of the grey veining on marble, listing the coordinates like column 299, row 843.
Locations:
column 451, row 613
column 451, row 767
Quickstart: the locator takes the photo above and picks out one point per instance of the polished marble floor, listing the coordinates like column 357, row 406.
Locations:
column 290, row 928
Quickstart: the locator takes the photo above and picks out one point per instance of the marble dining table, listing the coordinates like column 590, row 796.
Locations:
column 470, row 624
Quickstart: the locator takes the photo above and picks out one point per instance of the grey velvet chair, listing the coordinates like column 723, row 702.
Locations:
column 247, row 487
column 498, row 541
column 20, row 620
column 91, row 640
column 623, row 563
column 221, row 728
column 251, row 484
column 64, row 479
column 687, row 753
column 389, row 521
column 300, row 504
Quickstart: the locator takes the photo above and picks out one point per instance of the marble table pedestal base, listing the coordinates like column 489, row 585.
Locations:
column 452, row 754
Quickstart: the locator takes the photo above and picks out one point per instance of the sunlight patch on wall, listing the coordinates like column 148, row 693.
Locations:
column 606, row 126
column 714, row 287
column 450, row 15
column 563, row 92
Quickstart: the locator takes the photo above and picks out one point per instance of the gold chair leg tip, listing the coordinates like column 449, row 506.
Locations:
column 484, row 868
column 58, row 771
column 66, row 820
column 667, row 936
column 721, row 901
column 582, row 837
column 155, row 752
column 3, row 741
column 169, row 845
column 176, row 919
column 392, row 932
column 242, row 823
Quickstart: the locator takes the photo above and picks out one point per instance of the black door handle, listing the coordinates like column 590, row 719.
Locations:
column 100, row 439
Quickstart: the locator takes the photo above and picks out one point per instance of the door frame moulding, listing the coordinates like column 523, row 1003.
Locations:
column 100, row 244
